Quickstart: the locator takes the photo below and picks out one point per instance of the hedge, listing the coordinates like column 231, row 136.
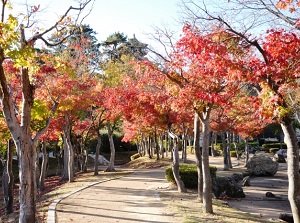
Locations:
column 267, row 147
column 135, row 156
column 190, row 149
column 273, row 150
column 188, row 174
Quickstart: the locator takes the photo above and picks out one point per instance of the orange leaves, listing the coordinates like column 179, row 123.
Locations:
column 290, row 5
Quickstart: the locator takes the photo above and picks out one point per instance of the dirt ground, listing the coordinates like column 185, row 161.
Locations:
column 256, row 203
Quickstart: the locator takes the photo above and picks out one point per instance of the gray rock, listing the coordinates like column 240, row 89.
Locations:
column 279, row 158
column 286, row 217
column 262, row 165
column 227, row 187
column 237, row 176
column 101, row 159
column 270, row 195
column 246, row 181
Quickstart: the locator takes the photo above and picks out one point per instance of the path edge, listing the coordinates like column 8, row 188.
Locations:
column 52, row 207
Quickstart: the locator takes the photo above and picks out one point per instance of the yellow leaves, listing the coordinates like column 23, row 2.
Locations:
column 272, row 105
column 9, row 5
column 115, row 71
column 22, row 57
column 39, row 111
column 8, row 33
column 282, row 112
column 65, row 21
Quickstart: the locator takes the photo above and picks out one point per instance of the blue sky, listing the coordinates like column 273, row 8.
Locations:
column 131, row 16
column 108, row 16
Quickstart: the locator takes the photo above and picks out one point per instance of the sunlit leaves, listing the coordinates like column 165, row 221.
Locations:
column 290, row 5
column 9, row 35
column 280, row 73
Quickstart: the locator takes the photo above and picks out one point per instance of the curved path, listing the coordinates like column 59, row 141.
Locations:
column 130, row 199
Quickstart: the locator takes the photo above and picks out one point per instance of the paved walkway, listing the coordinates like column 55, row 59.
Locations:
column 135, row 198
column 130, row 199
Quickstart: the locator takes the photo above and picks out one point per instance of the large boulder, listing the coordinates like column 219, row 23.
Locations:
column 227, row 187
column 101, row 159
column 261, row 165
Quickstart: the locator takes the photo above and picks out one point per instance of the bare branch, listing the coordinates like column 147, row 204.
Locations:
column 40, row 35
column 4, row 2
column 279, row 14
column 159, row 55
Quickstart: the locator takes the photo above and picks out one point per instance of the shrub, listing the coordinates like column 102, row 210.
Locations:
column 190, row 149
column 218, row 146
column 233, row 153
column 268, row 146
column 188, row 174
column 135, row 156
column 273, row 150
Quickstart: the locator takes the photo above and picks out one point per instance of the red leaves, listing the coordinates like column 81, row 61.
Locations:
column 9, row 67
column 297, row 23
column 47, row 69
column 35, row 8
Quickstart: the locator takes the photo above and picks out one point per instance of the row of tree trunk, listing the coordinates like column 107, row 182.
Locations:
column 69, row 167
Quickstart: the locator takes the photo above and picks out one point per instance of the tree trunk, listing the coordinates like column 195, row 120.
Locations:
column 97, row 152
column 156, row 145
column 175, row 167
column 68, row 153
column 225, row 153
column 207, row 183
column 235, row 146
column 175, row 164
column 151, row 146
column 144, row 145
column 167, row 144
column 41, row 184
column 170, row 144
column 213, row 139
column 184, row 144
column 198, row 155
column 37, row 165
column 8, row 179
column 27, row 157
column 292, row 167
column 65, row 173
column 82, row 158
column 70, row 161
column 85, row 160
column 111, row 167
column 246, row 151
column 229, row 149
column 161, row 145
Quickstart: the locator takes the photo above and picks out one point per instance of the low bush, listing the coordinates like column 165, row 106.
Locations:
column 188, row 174
column 268, row 146
column 190, row 149
column 273, row 150
column 233, row 153
column 135, row 156
column 218, row 146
